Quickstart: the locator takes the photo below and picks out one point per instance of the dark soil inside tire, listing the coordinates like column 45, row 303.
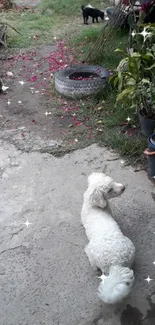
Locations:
column 83, row 76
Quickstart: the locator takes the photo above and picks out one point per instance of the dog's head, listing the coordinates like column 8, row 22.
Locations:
column 103, row 188
column 102, row 15
column 117, row 286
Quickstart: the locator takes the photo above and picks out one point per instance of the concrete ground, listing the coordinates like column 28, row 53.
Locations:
column 45, row 277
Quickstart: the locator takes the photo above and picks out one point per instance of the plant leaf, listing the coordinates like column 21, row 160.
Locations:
column 131, row 82
column 125, row 93
column 120, row 51
column 151, row 67
column 146, row 81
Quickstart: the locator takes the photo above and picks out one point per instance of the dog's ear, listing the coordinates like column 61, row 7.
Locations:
column 97, row 198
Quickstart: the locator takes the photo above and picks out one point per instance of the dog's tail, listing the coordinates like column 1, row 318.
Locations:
column 82, row 8
column 117, row 286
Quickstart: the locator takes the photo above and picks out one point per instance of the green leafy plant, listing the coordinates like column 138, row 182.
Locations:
column 135, row 81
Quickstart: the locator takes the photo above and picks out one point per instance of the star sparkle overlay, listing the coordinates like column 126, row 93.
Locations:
column 128, row 119
column 47, row 113
column 27, row 223
column 144, row 33
column 148, row 279
column 102, row 277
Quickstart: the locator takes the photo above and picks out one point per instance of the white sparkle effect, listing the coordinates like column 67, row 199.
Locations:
column 154, row 263
column 128, row 119
column 133, row 33
column 27, row 223
column 144, row 33
column 47, row 113
column 148, row 279
column 102, row 277
column 122, row 162
column 22, row 82
column 9, row 101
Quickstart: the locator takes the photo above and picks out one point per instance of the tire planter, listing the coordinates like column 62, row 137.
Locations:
column 81, row 81
column 147, row 125
column 150, row 153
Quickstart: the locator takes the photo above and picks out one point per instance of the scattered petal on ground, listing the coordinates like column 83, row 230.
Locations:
column 37, row 72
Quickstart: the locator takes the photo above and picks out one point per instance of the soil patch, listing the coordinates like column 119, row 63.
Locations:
column 31, row 113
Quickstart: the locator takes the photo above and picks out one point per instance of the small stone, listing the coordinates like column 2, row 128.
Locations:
column 4, row 88
column 52, row 144
column 9, row 74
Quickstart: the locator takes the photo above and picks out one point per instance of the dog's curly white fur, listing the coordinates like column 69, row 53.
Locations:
column 108, row 249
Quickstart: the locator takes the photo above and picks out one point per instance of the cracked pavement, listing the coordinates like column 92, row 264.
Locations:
column 45, row 277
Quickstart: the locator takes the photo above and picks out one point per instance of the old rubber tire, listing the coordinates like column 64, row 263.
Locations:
column 81, row 88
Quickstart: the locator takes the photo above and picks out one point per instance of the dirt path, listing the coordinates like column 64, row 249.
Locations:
column 32, row 115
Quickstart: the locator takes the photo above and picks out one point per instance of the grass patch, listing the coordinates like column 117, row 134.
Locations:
column 85, row 42
column 67, row 7
column 101, row 112
column 82, row 41
column 49, row 19
column 86, row 36
column 131, row 148
column 106, row 120
column 29, row 24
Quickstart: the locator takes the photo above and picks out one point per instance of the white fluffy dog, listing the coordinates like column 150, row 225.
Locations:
column 108, row 249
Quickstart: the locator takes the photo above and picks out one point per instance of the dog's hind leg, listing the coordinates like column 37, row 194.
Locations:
column 86, row 20
column 91, row 258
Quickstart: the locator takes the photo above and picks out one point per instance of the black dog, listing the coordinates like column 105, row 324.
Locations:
column 92, row 12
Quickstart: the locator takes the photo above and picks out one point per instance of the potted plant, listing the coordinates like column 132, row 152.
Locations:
column 150, row 154
column 135, row 82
